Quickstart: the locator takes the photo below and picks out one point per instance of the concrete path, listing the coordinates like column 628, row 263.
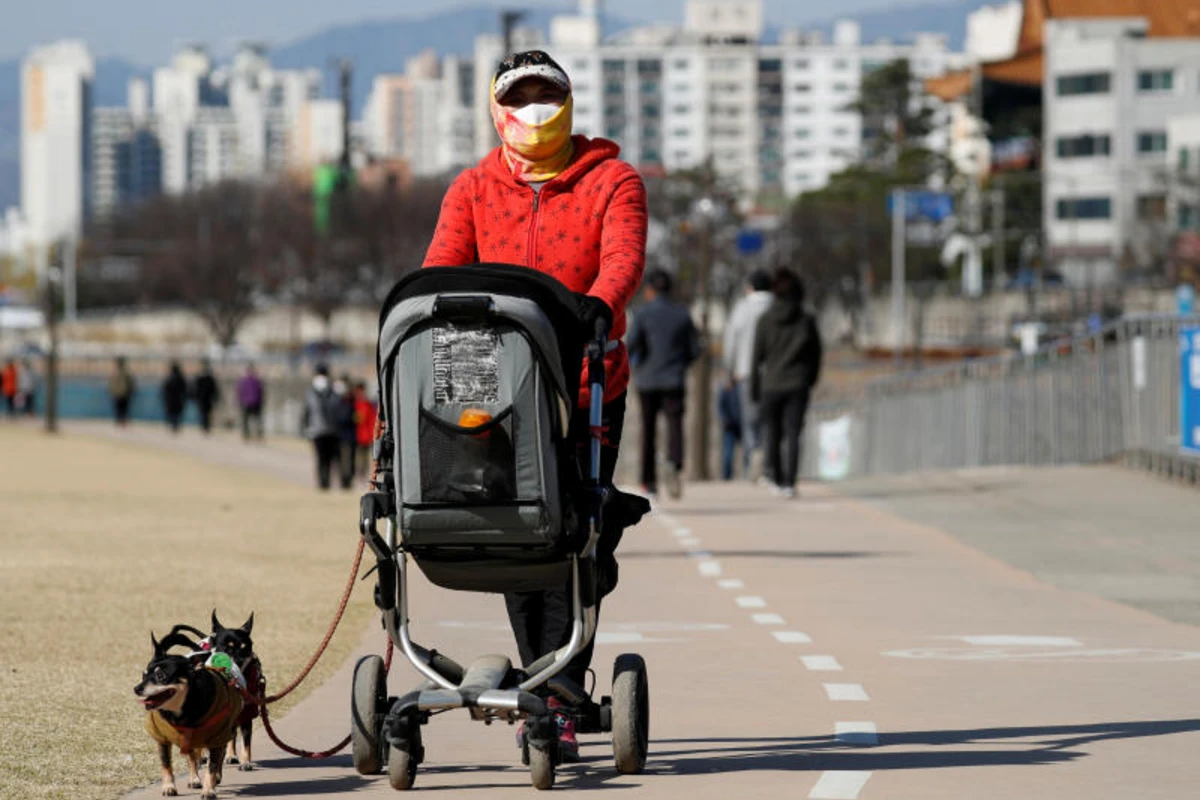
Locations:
column 823, row 648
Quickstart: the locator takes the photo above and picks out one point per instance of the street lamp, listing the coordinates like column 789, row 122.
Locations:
column 705, row 212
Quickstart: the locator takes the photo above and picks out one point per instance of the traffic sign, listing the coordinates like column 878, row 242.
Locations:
column 1189, row 391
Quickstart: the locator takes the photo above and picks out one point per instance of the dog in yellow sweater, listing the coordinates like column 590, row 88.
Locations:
column 191, row 707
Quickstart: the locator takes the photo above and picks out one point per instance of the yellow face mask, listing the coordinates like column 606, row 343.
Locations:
column 535, row 151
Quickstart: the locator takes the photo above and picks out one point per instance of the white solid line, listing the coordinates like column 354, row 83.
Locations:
column 751, row 602
column 767, row 619
column 846, row 691
column 791, row 637
column 666, row 519
column 1020, row 641
column 856, row 732
column 821, row 663
column 839, row 785
column 731, row 583
column 709, row 568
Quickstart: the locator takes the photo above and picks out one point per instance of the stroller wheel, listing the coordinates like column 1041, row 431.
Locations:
column 368, row 707
column 541, row 768
column 630, row 714
column 402, row 769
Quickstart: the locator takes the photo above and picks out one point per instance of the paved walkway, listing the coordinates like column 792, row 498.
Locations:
column 825, row 648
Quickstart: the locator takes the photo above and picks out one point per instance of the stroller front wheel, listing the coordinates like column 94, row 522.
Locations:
column 402, row 769
column 541, row 768
column 630, row 714
column 367, row 710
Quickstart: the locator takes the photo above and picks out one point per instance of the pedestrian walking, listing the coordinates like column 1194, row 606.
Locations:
column 738, row 353
column 663, row 343
column 250, row 396
column 365, row 414
column 121, row 387
column 346, row 428
column 26, row 387
column 8, row 386
column 729, row 413
column 320, row 425
column 207, row 393
column 565, row 205
column 174, row 396
column 786, row 366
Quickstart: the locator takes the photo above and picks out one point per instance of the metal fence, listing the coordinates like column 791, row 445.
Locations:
column 1111, row 395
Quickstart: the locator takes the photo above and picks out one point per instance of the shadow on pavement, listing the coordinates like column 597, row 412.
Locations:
column 1054, row 744
column 891, row 491
column 814, row 554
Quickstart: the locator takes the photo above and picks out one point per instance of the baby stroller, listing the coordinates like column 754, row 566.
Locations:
column 479, row 482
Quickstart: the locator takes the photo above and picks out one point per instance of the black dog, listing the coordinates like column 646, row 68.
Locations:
column 190, row 707
column 237, row 644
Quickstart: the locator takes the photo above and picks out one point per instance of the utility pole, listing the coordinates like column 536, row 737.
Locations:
column 704, row 368
column 999, row 265
column 508, row 24
column 899, row 233
column 49, row 275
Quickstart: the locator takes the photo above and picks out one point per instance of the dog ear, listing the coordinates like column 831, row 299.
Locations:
column 216, row 623
column 154, row 643
column 248, row 624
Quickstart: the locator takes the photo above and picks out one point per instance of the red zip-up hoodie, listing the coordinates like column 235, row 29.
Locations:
column 586, row 227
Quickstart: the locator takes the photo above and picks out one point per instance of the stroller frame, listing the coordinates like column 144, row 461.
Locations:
column 386, row 731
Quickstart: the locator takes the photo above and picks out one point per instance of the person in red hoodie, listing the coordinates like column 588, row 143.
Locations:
column 365, row 412
column 565, row 205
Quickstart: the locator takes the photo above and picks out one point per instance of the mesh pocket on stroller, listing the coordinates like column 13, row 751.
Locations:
column 468, row 463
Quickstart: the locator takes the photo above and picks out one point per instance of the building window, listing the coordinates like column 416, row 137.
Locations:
column 1156, row 80
column 803, row 109
column 840, row 63
column 614, row 131
column 1084, row 208
column 680, row 63
column 1189, row 216
column 800, row 63
column 1152, row 208
column 802, row 155
column 841, row 87
column 1086, row 83
column 649, row 66
column 770, row 65
column 1084, row 146
column 1152, row 142
column 581, row 64
column 801, row 133
column 841, row 133
column 650, row 110
column 802, row 88
column 679, row 133
column 1184, row 155
column 680, row 109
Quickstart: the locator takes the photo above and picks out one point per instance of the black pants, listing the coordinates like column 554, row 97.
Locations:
column 670, row 402
column 783, row 423
column 121, row 410
column 252, row 423
column 349, row 462
column 205, row 416
column 541, row 621
column 329, row 452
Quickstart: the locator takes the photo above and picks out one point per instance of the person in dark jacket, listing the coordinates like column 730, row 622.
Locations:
column 207, row 394
column 729, row 413
column 174, row 396
column 662, row 343
column 787, row 364
column 121, row 387
column 250, row 394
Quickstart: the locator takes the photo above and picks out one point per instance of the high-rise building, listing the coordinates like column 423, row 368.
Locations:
column 775, row 119
column 126, row 159
column 56, row 105
column 1109, row 92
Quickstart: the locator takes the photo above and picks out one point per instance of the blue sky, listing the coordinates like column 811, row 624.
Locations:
column 147, row 31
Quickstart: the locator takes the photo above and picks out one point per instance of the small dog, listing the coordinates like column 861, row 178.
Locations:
column 190, row 707
column 237, row 644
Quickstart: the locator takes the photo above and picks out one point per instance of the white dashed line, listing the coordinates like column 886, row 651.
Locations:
column 862, row 733
column 846, row 691
column 700, row 553
column 751, row 601
column 791, row 637
column 689, row 541
column 731, row 583
column 1020, row 641
column 839, row 785
column 821, row 663
column 709, row 568
column 683, row 533
column 767, row 619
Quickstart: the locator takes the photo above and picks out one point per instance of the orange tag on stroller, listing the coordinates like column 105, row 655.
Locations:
column 474, row 418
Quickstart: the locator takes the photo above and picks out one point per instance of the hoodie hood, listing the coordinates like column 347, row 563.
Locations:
column 588, row 153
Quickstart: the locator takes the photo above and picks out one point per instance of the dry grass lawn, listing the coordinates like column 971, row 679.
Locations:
column 102, row 542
